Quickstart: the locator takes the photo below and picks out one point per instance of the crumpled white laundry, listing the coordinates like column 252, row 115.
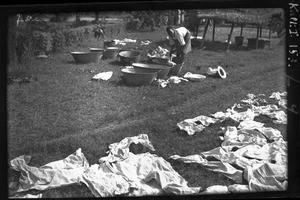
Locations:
column 194, row 77
column 146, row 42
column 103, row 182
column 103, row 76
column 28, row 196
column 267, row 177
column 120, row 150
column 250, row 124
column 176, row 79
column 173, row 79
column 135, row 175
column 52, row 175
column 278, row 95
column 238, row 188
column 216, row 189
column 197, row 124
column 251, row 152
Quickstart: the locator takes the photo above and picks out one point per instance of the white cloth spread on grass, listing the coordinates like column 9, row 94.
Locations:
column 250, row 151
column 119, row 173
column 103, row 76
column 52, row 175
column 28, row 196
column 194, row 77
column 246, row 118
column 171, row 80
column 122, row 172
column 197, row 124
column 120, row 150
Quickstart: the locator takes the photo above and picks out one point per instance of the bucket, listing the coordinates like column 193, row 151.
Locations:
column 239, row 40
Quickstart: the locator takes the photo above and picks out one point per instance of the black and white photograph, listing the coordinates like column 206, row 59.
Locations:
column 147, row 100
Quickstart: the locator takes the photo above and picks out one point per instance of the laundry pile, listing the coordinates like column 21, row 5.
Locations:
column 124, row 41
column 246, row 118
column 121, row 172
column 250, row 153
column 159, row 52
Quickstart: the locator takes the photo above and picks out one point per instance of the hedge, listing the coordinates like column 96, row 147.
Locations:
column 47, row 37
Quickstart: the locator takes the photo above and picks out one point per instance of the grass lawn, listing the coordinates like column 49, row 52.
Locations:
column 64, row 110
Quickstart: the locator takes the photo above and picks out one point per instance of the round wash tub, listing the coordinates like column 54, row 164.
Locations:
column 111, row 52
column 97, row 50
column 163, row 70
column 138, row 77
column 128, row 57
column 86, row 57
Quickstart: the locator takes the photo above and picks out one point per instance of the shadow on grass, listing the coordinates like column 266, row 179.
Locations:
column 116, row 63
column 217, row 46
column 209, row 45
column 121, row 82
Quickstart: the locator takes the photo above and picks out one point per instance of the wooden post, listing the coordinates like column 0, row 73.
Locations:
column 205, row 30
column 242, row 26
column 270, row 32
column 214, row 29
column 260, row 30
column 229, row 36
column 257, row 35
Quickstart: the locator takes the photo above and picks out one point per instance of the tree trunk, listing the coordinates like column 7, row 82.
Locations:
column 257, row 36
column 77, row 17
column 204, row 33
column 97, row 16
column 242, row 26
column 229, row 36
column 214, row 30
column 12, row 23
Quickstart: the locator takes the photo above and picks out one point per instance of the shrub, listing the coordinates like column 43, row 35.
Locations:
column 79, row 23
column 58, row 40
column 42, row 42
column 70, row 36
column 133, row 25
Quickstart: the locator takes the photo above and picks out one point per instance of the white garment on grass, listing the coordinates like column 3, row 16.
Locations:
column 52, row 175
column 197, row 124
column 120, row 150
column 103, row 76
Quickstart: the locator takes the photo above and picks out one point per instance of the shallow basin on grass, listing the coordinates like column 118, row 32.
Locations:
column 163, row 70
column 138, row 77
column 86, row 57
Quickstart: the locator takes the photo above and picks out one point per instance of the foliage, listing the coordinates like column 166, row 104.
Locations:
column 58, row 40
column 137, row 20
column 42, row 42
column 277, row 23
column 76, row 24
